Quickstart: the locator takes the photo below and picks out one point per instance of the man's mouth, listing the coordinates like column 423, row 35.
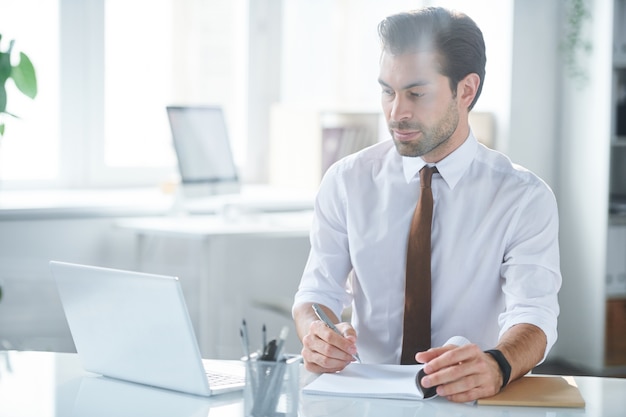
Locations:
column 405, row 135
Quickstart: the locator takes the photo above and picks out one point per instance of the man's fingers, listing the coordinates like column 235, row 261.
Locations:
column 318, row 363
column 347, row 330
column 450, row 356
column 466, row 389
column 324, row 350
column 346, row 342
column 430, row 354
column 448, row 375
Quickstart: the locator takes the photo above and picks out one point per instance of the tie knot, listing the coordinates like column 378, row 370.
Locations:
column 426, row 175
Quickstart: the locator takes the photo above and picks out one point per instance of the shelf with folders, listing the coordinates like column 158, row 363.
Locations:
column 615, row 344
column 617, row 179
column 305, row 142
column 343, row 140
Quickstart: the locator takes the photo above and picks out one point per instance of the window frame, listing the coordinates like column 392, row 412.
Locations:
column 82, row 156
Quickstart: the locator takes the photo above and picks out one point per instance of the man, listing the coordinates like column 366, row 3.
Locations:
column 495, row 258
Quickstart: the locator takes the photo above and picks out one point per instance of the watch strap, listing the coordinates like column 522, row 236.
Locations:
column 503, row 363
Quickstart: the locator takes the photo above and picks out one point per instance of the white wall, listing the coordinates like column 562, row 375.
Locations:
column 534, row 131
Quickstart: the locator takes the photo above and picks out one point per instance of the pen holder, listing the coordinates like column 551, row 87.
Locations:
column 272, row 387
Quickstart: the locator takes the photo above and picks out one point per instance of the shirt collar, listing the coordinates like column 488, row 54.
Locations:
column 451, row 167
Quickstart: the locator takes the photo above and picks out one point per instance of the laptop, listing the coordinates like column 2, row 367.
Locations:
column 136, row 327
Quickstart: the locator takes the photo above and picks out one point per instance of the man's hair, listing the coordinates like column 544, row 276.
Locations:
column 453, row 36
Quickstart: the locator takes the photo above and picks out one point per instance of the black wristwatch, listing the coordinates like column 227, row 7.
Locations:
column 505, row 366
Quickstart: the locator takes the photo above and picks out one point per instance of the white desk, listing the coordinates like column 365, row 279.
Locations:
column 70, row 203
column 231, row 267
column 54, row 385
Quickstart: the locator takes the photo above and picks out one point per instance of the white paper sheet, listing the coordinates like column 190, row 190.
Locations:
column 369, row 380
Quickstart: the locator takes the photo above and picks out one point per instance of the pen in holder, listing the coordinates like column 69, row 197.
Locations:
column 272, row 387
column 272, row 378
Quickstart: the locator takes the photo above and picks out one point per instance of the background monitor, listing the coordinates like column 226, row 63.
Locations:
column 202, row 144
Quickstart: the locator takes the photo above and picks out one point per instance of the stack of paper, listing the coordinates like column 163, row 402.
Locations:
column 369, row 380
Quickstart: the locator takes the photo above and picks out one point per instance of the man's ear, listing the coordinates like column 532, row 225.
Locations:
column 467, row 89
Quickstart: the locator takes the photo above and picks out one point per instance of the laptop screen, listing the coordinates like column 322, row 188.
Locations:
column 202, row 144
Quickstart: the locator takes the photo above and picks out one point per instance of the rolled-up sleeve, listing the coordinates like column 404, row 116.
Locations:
column 531, row 268
column 325, row 274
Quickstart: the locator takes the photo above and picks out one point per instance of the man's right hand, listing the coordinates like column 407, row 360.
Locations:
column 323, row 350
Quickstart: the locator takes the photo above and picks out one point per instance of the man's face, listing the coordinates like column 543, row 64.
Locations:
column 421, row 110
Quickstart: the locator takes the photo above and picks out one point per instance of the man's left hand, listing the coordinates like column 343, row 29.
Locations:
column 460, row 373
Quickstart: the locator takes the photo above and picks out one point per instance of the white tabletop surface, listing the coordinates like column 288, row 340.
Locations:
column 54, row 385
column 148, row 201
column 198, row 226
column 26, row 204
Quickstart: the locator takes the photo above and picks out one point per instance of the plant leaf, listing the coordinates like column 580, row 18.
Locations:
column 1, row 129
column 24, row 76
column 3, row 97
column 5, row 67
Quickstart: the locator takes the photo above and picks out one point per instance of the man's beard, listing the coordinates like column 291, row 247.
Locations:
column 431, row 138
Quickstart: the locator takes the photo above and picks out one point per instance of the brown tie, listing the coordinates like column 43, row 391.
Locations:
column 417, row 293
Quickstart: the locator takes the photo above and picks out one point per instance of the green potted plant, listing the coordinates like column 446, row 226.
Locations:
column 23, row 75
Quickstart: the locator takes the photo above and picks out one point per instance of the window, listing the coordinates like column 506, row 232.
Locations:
column 29, row 150
column 106, row 70
column 137, row 83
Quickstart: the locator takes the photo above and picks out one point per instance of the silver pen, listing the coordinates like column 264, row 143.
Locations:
column 322, row 316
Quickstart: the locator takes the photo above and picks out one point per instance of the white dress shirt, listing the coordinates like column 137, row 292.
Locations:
column 495, row 254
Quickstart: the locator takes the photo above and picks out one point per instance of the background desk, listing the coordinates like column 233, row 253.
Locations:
column 54, row 385
column 231, row 266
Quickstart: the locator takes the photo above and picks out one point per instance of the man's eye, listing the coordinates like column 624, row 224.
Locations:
column 388, row 92
column 417, row 94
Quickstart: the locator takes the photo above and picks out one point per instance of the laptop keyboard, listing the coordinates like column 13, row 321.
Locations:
column 224, row 373
column 220, row 379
